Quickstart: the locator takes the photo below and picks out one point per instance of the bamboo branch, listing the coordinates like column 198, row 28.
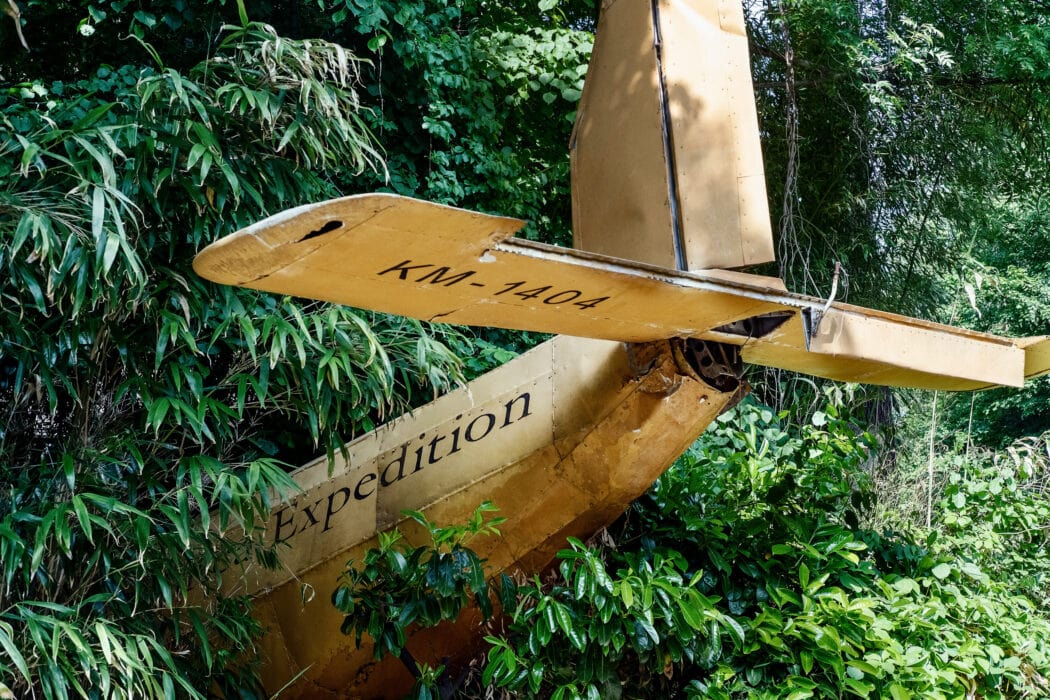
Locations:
column 16, row 14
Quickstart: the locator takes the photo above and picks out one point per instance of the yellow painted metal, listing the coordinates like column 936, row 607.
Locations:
column 620, row 204
column 1037, row 355
column 665, row 152
column 433, row 262
column 561, row 439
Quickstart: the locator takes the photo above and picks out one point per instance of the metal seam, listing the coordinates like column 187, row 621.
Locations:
column 677, row 241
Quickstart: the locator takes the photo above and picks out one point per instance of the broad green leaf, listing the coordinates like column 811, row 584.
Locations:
column 941, row 571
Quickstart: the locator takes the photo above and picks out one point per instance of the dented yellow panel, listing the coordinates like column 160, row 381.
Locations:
column 533, row 436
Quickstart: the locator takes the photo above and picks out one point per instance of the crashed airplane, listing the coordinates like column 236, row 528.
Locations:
column 654, row 315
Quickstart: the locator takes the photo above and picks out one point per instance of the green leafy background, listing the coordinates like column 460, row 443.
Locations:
column 143, row 411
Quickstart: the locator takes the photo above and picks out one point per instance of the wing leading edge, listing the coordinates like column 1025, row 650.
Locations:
column 427, row 261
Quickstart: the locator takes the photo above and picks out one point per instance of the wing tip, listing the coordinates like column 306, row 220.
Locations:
column 232, row 260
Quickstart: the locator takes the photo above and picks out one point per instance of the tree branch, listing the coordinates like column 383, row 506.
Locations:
column 410, row 662
column 16, row 14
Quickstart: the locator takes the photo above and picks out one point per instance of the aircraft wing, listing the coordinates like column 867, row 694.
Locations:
column 432, row 262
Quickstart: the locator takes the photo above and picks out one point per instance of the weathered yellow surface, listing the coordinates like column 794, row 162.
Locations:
column 668, row 117
column 1037, row 355
column 718, row 157
column 440, row 449
column 433, row 262
column 620, row 203
column 859, row 345
column 575, row 437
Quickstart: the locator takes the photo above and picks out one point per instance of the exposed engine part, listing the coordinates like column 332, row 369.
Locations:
column 716, row 364
column 661, row 366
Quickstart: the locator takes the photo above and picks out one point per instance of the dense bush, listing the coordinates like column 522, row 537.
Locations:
column 145, row 412
column 994, row 510
column 774, row 512
column 745, row 573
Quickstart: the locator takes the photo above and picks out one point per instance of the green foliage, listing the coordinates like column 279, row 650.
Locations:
column 745, row 573
column 575, row 636
column 1006, row 295
column 398, row 588
column 147, row 415
column 892, row 134
column 481, row 103
column 994, row 510
column 142, row 404
column 836, row 610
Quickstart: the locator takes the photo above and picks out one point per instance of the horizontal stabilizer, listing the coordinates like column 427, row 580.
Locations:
column 1036, row 355
column 437, row 263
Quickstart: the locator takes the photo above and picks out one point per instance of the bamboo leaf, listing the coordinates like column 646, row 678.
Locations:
column 12, row 651
column 110, row 254
column 98, row 213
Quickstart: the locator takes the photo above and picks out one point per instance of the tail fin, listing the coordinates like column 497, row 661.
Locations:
column 666, row 139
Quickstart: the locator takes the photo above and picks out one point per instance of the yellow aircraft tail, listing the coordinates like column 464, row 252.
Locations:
column 666, row 162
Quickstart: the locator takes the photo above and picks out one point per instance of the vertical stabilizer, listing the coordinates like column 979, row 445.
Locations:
column 666, row 139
